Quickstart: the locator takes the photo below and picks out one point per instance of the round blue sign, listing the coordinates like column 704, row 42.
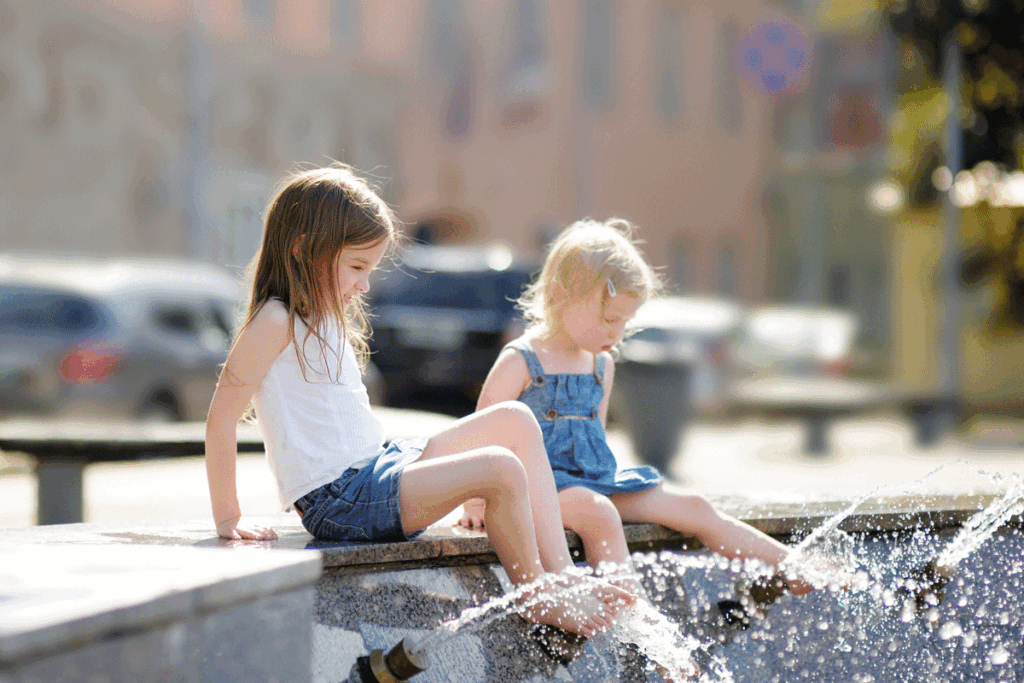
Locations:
column 774, row 56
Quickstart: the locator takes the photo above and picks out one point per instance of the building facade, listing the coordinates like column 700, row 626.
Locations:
column 160, row 126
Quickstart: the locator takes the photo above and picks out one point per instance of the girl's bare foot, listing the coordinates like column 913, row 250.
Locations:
column 578, row 604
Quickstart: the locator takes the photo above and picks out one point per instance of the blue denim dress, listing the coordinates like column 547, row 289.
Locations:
column 566, row 406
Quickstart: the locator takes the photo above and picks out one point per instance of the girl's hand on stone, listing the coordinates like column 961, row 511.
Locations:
column 473, row 514
column 237, row 529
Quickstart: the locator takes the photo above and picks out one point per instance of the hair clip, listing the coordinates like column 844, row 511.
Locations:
column 611, row 289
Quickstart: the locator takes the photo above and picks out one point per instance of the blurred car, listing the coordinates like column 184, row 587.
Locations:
column 442, row 315
column 670, row 370
column 692, row 331
column 796, row 342
column 118, row 339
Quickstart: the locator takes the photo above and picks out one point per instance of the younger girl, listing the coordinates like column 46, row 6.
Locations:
column 296, row 359
column 591, row 285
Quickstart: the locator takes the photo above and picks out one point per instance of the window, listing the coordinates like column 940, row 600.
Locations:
column 730, row 99
column 345, row 20
column 261, row 9
column 445, row 50
column 838, row 285
column 529, row 49
column 448, row 54
column 727, row 271
column 525, row 78
column 681, row 265
column 668, row 66
column 596, row 58
column 40, row 311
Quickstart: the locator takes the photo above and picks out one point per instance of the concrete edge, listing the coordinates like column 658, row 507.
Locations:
column 65, row 624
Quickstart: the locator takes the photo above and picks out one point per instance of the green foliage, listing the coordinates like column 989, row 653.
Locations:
column 991, row 38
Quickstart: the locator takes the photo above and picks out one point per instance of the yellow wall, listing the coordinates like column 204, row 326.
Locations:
column 992, row 359
column 916, row 324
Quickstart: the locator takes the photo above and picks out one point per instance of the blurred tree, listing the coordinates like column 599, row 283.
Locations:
column 991, row 37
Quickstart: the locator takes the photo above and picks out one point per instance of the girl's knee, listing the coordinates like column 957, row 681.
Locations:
column 504, row 469
column 586, row 511
column 515, row 414
column 702, row 509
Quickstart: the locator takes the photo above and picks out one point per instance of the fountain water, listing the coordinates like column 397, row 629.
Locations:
column 930, row 604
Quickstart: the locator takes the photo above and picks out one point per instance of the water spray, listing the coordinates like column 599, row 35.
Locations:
column 926, row 585
column 561, row 645
column 754, row 596
column 404, row 661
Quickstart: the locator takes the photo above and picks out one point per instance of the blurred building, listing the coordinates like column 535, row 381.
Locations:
column 531, row 114
column 830, row 234
column 159, row 126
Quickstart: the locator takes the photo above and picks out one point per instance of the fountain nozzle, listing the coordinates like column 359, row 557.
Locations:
column 399, row 665
column 929, row 585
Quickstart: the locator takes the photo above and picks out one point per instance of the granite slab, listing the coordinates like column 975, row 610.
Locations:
column 56, row 596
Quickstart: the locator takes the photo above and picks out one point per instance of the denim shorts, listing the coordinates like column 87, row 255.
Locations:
column 362, row 504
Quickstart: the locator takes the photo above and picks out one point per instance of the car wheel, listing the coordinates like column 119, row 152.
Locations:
column 160, row 408
column 396, row 389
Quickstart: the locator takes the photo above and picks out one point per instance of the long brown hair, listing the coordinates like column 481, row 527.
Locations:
column 312, row 215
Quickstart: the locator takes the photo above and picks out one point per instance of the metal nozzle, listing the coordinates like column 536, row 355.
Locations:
column 399, row 665
column 929, row 585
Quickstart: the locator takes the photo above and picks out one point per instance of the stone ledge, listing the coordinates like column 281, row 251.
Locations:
column 445, row 544
column 55, row 596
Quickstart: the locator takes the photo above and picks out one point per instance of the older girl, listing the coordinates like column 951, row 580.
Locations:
column 297, row 358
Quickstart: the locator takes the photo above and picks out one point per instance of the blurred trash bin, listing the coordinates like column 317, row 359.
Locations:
column 655, row 382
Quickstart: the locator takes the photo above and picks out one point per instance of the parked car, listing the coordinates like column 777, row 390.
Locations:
column 796, row 342
column 672, row 368
column 695, row 331
column 442, row 315
column 120, row 339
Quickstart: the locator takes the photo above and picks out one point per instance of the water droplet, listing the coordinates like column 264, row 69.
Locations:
column 951, row 629
column 999, row 655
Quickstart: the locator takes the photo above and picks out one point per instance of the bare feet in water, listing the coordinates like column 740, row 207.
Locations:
column 579, row 604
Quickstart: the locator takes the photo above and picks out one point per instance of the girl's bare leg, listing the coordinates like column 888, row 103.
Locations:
column 510, row 425
column 495, row 455
column 692, row 514
column 596, row 521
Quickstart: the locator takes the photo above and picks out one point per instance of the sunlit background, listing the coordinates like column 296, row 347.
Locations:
column 785, row 162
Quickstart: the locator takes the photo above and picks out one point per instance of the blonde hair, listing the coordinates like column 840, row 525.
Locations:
column 586, row 255
column 312, row 215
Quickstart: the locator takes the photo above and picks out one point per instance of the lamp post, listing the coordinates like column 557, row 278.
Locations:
column 952, row 238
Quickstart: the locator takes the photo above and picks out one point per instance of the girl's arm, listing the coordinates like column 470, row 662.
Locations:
column 609, row 378
column 250, row 358
column 507, row 379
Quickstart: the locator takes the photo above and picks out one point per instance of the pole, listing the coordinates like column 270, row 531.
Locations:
column 952, row 239
column 199, row 243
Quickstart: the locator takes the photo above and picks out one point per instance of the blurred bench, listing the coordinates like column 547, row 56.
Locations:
column 817, row 402
column 62, row 451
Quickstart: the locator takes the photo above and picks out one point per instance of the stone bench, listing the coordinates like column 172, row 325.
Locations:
column 819, row 402
column 62, row 451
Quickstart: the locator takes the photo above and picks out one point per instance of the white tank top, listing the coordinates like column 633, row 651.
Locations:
column 315, row 426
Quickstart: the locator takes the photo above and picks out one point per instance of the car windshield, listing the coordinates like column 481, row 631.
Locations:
column 32, row 310
column 491, row 290
column 784, row 333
